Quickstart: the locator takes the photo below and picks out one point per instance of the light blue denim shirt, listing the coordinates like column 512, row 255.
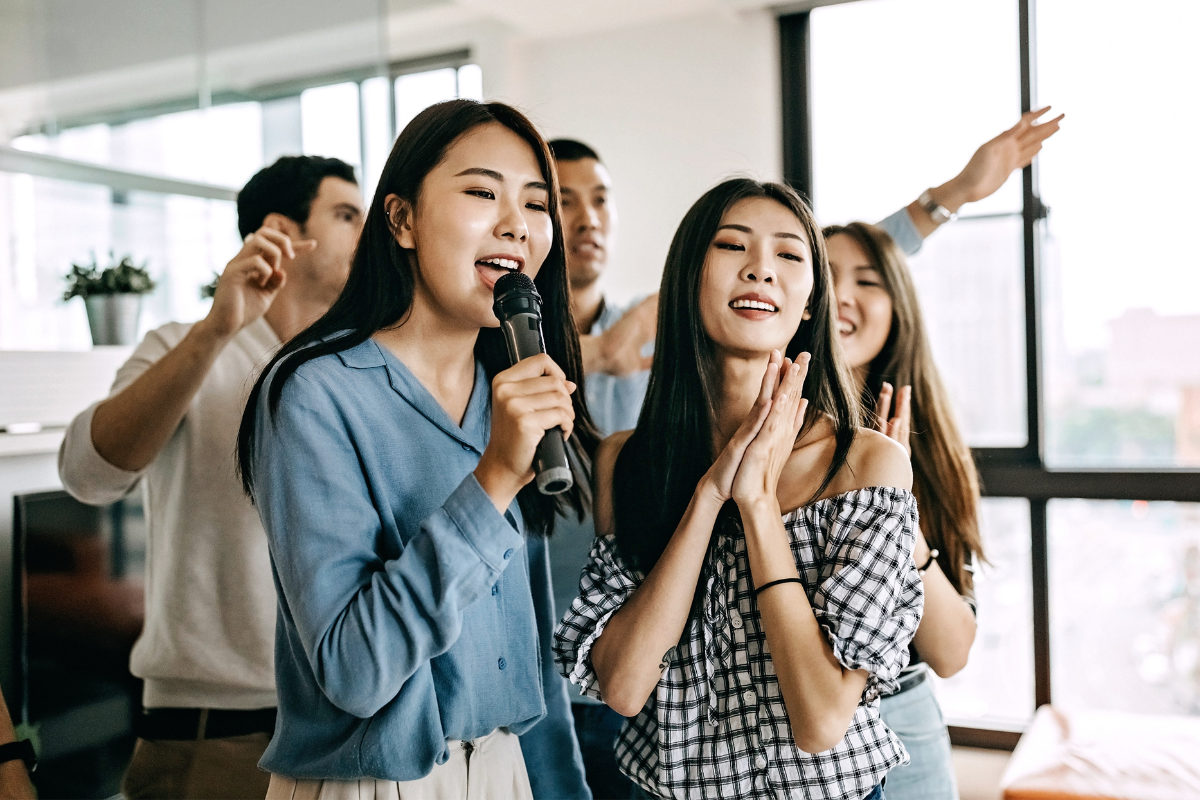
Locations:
column 410, row 610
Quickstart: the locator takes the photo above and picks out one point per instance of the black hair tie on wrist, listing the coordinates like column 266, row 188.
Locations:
column 932, row 555
column 766, row 586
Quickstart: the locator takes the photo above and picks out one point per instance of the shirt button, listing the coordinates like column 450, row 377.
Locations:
column 502, row 664
column 496, row 588
column 735, row 619
column 466, row 447
column 761, row 762
column 508, row 553
column 748, row 697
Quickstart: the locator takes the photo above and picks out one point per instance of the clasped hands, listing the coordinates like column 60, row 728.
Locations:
column 748, row 468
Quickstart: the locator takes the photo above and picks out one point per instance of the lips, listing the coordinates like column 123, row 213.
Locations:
column 490, row 268
column 845, row 327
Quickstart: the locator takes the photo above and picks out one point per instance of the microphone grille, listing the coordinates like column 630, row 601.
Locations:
column 513, row 282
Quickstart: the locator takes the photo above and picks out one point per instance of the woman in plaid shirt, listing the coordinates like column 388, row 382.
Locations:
column 749, row 647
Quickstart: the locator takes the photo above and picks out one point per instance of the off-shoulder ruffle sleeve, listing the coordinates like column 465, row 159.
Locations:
column 869, row 599
column 604, row 586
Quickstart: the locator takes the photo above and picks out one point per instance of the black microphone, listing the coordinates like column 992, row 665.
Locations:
column 518, row 306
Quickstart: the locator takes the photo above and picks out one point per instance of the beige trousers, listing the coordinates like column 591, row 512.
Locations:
column 202, row 769
column 489, row 768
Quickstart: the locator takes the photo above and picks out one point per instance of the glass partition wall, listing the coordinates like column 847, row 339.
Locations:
column 187, row 231
column 1064, row 313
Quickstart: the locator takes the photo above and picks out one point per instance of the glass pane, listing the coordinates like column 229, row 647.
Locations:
column 997, row 683
column 1125, row 605
column 377, row 132
column 470, row 82
column 974, row 306
column 329, row 123
column 1122, row 311
column 182, row 239
column 222, row 145
column 420, row 90
column 877, row 145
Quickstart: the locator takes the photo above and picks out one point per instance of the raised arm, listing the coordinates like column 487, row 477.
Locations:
column 947, row 628
column 820, row 693
column 983, row 175
column 131, row 427
column 628, row 656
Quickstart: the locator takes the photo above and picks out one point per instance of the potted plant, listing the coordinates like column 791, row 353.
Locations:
column 112, row 296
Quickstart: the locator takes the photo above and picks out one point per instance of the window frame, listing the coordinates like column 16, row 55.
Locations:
column 1019, row 472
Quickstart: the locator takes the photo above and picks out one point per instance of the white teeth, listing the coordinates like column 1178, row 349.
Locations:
column 503, row 263
column 755, row 304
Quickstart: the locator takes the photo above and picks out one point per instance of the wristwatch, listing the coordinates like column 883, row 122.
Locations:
column 22, row 750
column 938, row 212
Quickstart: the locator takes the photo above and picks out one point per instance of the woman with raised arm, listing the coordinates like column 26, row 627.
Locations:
column 748, row 641
column 388, row 449
column 884, row 339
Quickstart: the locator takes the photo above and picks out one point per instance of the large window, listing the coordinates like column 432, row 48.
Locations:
column 1064, row 314
column 53, row 223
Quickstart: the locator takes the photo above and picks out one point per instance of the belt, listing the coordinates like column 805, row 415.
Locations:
column 912, row 680
column 184, row 724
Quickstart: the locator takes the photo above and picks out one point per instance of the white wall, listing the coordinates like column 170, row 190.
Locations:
column 672, row 107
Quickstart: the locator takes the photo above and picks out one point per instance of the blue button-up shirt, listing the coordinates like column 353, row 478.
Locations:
column 410, row 610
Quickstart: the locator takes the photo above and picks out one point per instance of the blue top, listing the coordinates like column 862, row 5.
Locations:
column 410, row 610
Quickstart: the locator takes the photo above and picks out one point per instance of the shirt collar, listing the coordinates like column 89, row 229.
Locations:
column 477, row 421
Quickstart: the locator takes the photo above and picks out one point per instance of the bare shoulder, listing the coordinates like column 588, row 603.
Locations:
column 603, row 464
column 876, row 460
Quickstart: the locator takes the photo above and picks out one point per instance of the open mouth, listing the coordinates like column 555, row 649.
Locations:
column 845, row 327
column 491, row 268
column 752, row 305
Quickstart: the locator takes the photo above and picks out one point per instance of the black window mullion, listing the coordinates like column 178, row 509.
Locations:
column 794, row 50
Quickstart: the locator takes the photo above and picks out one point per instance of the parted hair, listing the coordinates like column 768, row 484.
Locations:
column 945, row 481
column 380, row 289
column 668, row 453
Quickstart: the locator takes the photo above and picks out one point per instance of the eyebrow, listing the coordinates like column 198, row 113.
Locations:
column 744, row 229
column 348, row 207
column 496, row 176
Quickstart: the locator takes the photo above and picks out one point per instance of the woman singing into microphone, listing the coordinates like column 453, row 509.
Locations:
column 748, row 641
column 388, row 449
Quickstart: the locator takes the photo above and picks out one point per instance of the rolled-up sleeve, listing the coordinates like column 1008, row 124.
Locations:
column 366, row 625
column 901, row 228
column 83, row 471
column 870, row 599
column 604, row 586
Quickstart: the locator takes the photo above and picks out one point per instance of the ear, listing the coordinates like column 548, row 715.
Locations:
column 284, row 224
column 807, row 314
column 400, row 221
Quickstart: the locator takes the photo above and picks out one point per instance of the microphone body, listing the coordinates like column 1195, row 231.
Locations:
column 518, row 306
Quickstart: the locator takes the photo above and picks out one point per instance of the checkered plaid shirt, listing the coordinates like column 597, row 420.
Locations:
column 716, row 725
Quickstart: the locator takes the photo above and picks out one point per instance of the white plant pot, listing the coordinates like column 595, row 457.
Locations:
column 113, row 318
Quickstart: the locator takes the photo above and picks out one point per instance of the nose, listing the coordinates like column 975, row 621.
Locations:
column 590, row 220
column 512, row 225
column 759, row 266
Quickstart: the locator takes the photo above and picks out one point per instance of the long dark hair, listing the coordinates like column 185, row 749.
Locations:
column 945, row 482
column 658, row 468
column 379, row 293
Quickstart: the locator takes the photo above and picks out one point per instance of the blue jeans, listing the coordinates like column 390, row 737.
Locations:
column 916, row 718
column 597, row 727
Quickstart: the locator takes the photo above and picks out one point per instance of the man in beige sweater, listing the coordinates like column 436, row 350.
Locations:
column 171, row 420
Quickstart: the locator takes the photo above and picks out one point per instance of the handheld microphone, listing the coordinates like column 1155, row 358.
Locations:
column 518, row 306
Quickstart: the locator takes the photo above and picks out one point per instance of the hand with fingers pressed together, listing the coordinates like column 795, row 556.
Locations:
column 253, row 278
column 757, row 479
column 899, row 425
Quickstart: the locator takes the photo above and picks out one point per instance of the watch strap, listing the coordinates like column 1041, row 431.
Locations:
column 22, row 750
column 938, row 212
